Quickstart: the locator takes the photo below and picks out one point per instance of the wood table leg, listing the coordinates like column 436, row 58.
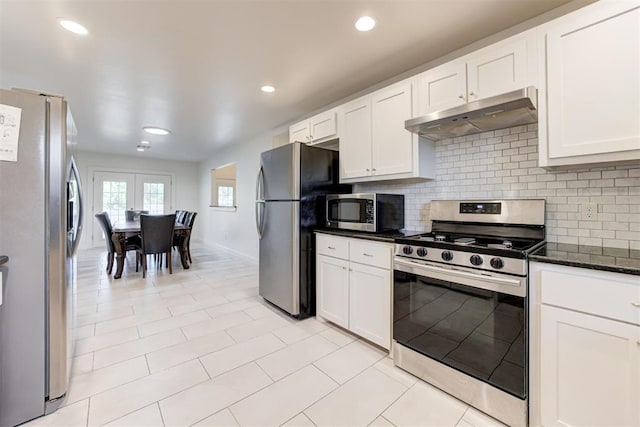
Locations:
column 119, row 240
column 182, row 248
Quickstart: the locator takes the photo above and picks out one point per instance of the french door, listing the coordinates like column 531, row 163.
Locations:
column 115, row 192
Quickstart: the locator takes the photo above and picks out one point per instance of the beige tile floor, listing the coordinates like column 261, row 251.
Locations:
column 200, row 347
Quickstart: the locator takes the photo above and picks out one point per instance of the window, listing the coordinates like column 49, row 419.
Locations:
column 114, row 199
column 225, row 196
column 153, row 198
column 223, row 186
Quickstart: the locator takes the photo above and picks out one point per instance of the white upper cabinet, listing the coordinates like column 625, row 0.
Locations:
column 442, row 87
column 375, row 146
column 592, row 87
column 499, row 68
column 392, row 144
column 355, row 139
column 299, row 132
column 319, row 128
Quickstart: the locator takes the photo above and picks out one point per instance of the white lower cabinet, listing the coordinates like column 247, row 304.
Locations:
column 333, row 296
column 585, row 347
column 353, row 287
column 370, row 303
column 589, row 370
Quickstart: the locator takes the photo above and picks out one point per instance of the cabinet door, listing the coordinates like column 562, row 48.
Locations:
column 590, row 370
column 299, row 132
column 323, row 126
column 442, row 87
column 332, row 290
column 355, row 139
column 392, row 144
column 593, row 89
column 497, row 69
column 370, row 303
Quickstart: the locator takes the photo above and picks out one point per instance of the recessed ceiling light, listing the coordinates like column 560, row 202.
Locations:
column 145, row 142
column 155, row 131
column 74, row 27
column 268, row 89
column 365, row 23
column 140, row 148
column 143, row 147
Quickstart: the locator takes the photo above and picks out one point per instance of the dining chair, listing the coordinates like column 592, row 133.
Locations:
column 134, row 214
column 189, row 223
column 180, row 214
column 189, row 219
column 156, row 237
column 107, row 229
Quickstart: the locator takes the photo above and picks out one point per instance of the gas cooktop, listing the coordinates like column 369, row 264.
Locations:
column 492, row 235
column 459, row 241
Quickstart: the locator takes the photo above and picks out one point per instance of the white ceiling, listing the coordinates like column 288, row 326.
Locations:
column 196, row 67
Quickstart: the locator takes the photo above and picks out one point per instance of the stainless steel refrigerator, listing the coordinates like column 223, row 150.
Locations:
column 40, row 226
column 291, row 180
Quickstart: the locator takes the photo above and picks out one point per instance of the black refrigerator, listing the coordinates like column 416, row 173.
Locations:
column 291, row 183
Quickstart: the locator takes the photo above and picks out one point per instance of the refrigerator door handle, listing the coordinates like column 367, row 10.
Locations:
column 260, row 184
column 74, row 175
column 259, row 217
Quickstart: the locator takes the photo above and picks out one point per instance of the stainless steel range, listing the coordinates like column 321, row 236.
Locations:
column 460, row 311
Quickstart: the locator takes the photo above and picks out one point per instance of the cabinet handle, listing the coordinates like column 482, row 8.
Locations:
column 461, row 96
column 374, row 169
column 367, row 169
column 351, row 269
column 344, row 268
column 472, row 93
column 331, row 247
column 367, row 254
column 636, row 304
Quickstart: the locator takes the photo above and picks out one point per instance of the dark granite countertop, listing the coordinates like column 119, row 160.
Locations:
column 594, row 257
column 387, row 237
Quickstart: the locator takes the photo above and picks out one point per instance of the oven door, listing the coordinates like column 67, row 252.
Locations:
column 476, row 330
column 351, row 213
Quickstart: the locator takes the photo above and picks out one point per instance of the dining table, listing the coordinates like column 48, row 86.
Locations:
column 129, row 228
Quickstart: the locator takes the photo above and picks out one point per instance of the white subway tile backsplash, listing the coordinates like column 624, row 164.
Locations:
column 503, row 164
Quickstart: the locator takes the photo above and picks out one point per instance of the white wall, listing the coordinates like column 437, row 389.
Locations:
column 234, row 228
column 186, row 186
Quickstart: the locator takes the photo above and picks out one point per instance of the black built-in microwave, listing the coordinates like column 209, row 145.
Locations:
column 372, row 212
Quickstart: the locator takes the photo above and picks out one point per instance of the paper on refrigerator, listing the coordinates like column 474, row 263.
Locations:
column 9, row 132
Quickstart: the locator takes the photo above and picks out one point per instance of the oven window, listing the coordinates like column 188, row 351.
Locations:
column 346, row 210
column 480, row 333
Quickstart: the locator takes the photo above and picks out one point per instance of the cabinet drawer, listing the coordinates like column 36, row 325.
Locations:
column 374, row 254
column 337, row 247
column 616, row 297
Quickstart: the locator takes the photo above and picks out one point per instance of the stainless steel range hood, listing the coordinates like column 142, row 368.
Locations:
column 497, row 112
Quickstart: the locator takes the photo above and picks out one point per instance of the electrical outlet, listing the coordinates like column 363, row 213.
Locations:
column 589, row 211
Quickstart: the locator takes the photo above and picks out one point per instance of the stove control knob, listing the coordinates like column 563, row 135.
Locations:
column 421, row 252
column 407, row 250
column 497, row 263
column 447, row 255
column 476, row 260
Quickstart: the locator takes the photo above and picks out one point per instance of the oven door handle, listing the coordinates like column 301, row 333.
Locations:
column 424, row 270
